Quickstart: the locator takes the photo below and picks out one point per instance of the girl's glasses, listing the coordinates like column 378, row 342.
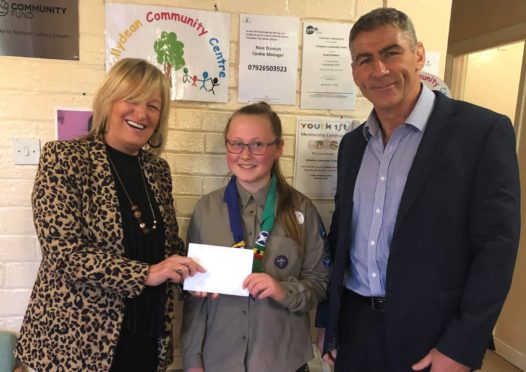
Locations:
column 255, row 148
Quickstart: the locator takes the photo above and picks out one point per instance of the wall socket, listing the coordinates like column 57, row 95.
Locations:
column 27, row 150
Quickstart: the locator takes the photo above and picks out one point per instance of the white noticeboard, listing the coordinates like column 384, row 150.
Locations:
column 268, row 59
column 191, row 47
column 317, row 143
column 432, row 63
column 326, row 78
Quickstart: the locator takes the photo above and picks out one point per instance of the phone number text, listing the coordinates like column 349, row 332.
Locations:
column 267, row 68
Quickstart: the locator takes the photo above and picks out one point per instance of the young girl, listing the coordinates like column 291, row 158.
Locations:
column 269, row 330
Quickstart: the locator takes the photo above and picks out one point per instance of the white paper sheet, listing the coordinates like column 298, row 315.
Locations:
column 268, row 59
column 226, row 269
column 326, row 78
column 317, row 143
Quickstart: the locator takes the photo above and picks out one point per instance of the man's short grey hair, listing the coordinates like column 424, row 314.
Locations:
column 384, row 16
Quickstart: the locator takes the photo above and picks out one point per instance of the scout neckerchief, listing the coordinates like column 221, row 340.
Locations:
column 267, row 221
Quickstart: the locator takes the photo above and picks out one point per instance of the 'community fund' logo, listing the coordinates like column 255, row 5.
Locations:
column 4, row 7
column 29, row 11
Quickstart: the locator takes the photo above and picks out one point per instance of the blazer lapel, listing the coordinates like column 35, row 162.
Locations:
column 355, row 155
column 349, row 162
column 151, row 174
column 433, row 140
column 104, row 197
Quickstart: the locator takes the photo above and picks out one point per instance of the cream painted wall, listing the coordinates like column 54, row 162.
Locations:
column 429, row 24
column 488, row 72
column 32, row 88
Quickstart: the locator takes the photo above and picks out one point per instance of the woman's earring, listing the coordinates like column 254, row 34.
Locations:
column 158, row 144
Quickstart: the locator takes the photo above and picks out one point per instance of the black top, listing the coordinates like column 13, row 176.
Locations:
column 144, row 314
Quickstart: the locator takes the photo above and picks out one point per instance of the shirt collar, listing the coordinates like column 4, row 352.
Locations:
column 259, row 196
column 417, row 118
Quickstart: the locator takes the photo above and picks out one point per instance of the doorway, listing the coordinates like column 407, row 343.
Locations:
column 494, row 76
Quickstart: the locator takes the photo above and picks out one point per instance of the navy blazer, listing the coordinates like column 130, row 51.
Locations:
column 455, row 238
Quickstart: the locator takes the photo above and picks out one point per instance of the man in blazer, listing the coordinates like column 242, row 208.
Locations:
column 426, row 223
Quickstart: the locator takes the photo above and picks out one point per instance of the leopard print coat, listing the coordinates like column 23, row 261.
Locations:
column 77, row 305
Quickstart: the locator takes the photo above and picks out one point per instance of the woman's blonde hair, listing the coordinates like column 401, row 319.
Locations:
column 134, row 80
column 286, row 193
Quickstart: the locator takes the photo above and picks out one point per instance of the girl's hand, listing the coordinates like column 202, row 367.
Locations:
column 204, row 294
column 261, row 285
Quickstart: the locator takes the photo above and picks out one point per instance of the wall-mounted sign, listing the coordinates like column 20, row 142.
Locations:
column 434, row 83
column 326, row 77
column 317, row 143
column 268, row 59
column 432, row 62
column 72, row 123
column 40, row 28
column 192, row 47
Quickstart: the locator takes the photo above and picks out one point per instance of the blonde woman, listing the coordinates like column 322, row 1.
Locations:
column 103, row 211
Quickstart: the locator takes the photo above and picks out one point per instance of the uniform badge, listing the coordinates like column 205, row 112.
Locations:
column 281, row 262
column 299, row 217
column 262, row 238
column 323, row 233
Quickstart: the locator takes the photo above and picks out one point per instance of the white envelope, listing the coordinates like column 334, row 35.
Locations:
column 226, row 269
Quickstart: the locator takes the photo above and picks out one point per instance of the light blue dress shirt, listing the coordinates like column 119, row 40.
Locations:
column 379, row 187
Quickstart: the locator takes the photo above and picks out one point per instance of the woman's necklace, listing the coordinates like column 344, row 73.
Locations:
column 134, row 207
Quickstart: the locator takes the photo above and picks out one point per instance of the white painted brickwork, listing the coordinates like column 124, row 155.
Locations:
column 31, row 89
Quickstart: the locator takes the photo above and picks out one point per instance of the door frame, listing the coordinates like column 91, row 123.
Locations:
column 456, row 64
column 455, row 72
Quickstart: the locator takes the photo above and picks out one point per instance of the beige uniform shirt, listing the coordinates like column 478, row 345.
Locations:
column 243, row 334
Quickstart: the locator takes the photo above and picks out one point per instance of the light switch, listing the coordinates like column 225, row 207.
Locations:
column 27, row 150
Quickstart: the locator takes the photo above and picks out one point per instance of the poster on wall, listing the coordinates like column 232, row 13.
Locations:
column 268, row 59
column 434, row 83
column 317, row 143
column 72, row 122
column 326, row 78
column 432, row 63
column 40, row 29
column 191, row 47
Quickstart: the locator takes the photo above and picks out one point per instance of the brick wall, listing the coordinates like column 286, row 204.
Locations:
column 31, row 89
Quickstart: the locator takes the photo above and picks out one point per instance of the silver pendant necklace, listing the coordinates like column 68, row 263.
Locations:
column 136, row 212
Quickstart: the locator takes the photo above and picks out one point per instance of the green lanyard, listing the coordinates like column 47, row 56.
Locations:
column 267, row 221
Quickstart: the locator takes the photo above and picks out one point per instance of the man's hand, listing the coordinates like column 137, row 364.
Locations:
column 329, row 357
column 439, row 363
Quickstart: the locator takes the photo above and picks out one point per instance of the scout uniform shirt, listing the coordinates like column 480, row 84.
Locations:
column 243, row 334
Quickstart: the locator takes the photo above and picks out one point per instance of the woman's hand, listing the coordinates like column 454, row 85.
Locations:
column 173, row 268
column 261, row 285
